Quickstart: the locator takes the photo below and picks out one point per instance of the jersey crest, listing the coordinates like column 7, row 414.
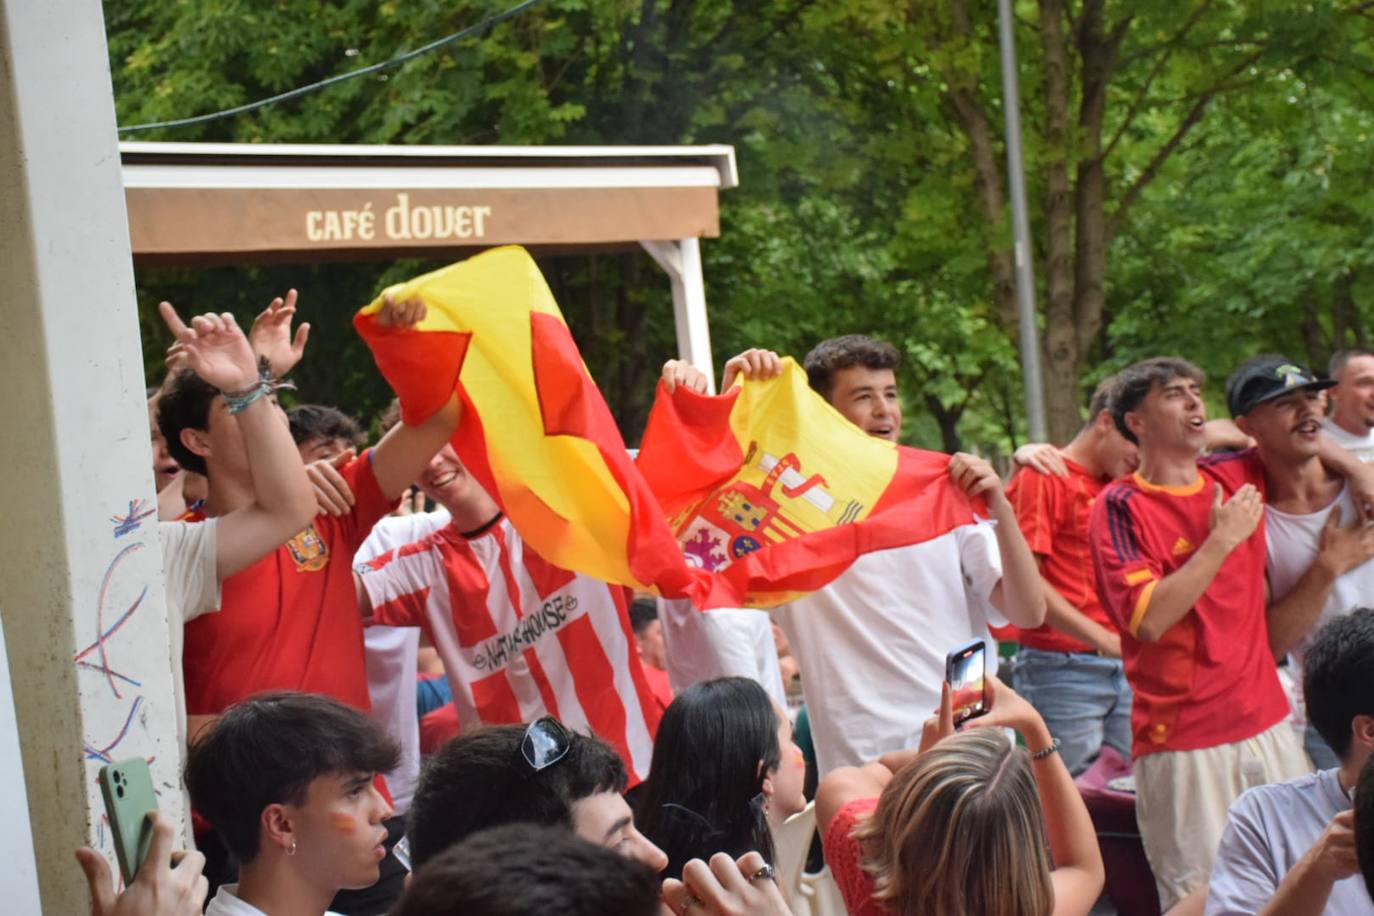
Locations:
column 308, row 550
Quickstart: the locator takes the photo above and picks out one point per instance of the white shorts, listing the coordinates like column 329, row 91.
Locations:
column 1182, row 798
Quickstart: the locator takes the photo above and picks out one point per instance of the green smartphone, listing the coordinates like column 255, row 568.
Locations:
column 129, row 798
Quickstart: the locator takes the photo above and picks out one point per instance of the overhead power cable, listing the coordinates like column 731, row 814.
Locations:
column 482, row 26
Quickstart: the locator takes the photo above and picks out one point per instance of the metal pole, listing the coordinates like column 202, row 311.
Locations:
column 1033, row 381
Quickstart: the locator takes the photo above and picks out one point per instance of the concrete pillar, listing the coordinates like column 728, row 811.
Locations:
column 681, row 261
column 80, row 573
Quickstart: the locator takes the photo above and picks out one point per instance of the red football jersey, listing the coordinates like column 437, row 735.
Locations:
column 1053, row 513
column 290, row 621
column 1210, row 679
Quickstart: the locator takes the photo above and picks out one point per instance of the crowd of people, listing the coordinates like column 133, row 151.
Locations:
column 392, row 703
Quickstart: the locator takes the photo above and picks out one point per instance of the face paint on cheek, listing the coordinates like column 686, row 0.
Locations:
column 344, row 823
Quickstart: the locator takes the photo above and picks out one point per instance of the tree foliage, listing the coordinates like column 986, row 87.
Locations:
column 1196, row 172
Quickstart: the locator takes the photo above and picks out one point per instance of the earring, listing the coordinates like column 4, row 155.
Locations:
column 291, row 850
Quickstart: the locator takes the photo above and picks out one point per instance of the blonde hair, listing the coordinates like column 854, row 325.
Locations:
column 959, row 832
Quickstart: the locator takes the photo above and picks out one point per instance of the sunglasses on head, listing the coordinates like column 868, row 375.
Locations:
column 546, row 742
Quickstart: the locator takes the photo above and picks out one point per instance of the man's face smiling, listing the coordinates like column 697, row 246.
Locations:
column 1353, row 399
column 868, row 399
column 1287, row 426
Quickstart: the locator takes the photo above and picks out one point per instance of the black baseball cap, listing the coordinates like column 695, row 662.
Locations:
column 1265, row 378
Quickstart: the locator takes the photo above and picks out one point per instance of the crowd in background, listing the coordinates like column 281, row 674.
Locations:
column 394, row 704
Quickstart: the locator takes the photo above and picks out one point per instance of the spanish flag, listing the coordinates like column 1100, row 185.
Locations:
column 782, row 493
column 771, row 492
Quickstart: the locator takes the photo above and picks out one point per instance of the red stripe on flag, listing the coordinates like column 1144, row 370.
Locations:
column 572, row 405
column 421, row 366
column 688, row 449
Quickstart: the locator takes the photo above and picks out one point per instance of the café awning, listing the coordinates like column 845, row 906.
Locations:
column 208, row 203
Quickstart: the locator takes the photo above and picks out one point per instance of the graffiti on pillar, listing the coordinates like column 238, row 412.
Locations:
column 101, row 647
column 139, row 509
column 115, row 666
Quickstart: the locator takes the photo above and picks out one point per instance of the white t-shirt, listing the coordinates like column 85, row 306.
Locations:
column 227, row 903
column 1292, row 546
column 390, row 655
column 1268, row 830
column 192, row 588
column 872, row 644
column 1362, row 447
column 723, row 642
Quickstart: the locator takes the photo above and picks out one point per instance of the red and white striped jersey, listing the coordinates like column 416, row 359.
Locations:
column 520, row 637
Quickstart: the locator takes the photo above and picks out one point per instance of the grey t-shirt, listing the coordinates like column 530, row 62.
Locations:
column 1268, row 830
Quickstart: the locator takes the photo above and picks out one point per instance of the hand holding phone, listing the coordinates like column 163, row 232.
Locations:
column 127, row 787
column 160, row 888
column 966, row 674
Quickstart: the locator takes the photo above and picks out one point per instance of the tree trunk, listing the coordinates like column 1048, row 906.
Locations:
column 948, row 420
column 1061, row 338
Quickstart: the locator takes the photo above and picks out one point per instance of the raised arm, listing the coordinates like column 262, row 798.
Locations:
column 1341, row 550
column 1020, row 593
column 401, row 456
column 271, row 339
column 215, row 349
column 1078, row 873
column 754, row 363
column 1174, row 596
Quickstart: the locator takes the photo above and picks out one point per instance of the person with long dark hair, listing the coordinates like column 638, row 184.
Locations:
column 724, row 769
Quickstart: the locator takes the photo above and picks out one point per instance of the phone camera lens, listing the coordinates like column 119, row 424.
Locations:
column 119, row 790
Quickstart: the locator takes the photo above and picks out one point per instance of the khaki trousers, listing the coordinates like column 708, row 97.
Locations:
column 1182, row 798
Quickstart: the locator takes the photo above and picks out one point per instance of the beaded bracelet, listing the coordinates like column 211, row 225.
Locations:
column 239, row 401
column 1046, row 751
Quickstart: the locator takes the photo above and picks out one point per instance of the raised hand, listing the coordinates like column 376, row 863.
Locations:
column 161, row 888
column 1008, row 709
column 214, row 348
column 679, row 372
column 271, row 337
column 941, row 725
column 403, row 314
column 975, row 476
column 1236, row 519
column 754, row 363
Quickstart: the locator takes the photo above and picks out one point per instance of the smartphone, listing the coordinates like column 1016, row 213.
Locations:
column 129, row 798
column 966, row 673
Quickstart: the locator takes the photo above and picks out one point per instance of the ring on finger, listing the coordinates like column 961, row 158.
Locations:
column 766, row 872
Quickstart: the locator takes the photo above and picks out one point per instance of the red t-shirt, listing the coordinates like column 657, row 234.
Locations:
column 290, row 621
column 1210, row 679
column 1053, row 514
column 844, row 855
